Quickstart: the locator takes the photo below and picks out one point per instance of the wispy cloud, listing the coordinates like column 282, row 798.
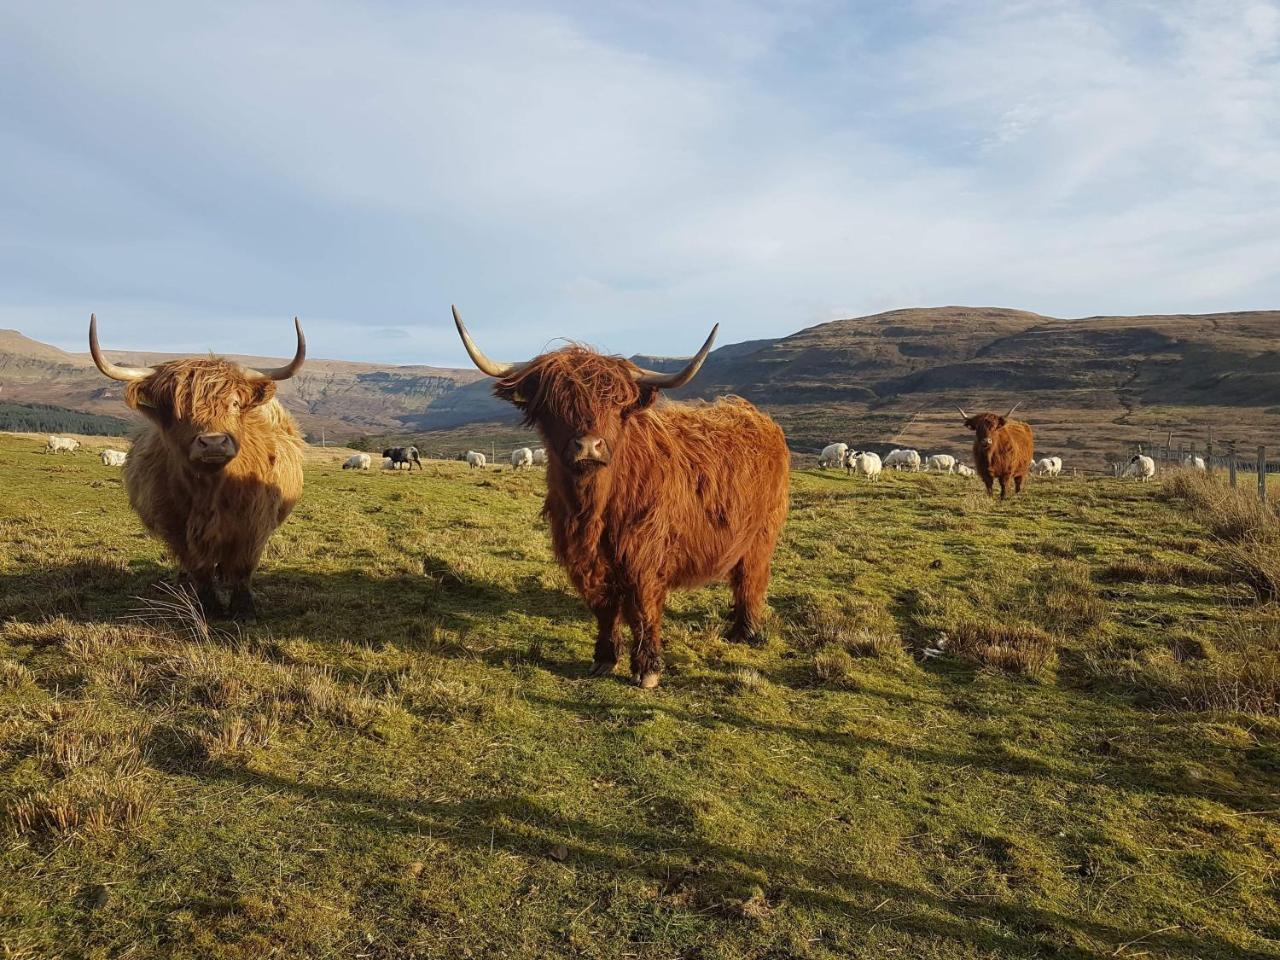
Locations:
column 626, row 175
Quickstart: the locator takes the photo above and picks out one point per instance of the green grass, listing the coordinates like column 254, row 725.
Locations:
column 405, row 759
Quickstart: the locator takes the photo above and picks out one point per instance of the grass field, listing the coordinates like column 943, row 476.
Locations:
column 1044, row 728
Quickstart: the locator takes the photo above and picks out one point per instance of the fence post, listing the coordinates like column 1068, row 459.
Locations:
column 1262, row 473
column 1231, row 463
column 1208, row 452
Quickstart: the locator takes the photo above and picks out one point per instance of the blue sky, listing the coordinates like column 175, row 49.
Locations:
column 624, row 173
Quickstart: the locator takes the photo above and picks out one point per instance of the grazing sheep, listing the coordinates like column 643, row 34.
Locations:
column 1192, row 462
column 540, row 455
column 475, row 459
column 113, row 458
column 903, row 460
column 833, row 455
column 866, row 463
column 358, row 461
column 964, row 470
column 941, row 462
column 1047, row 467
column 61, row 445
column 521, row 457
column 1144, row 468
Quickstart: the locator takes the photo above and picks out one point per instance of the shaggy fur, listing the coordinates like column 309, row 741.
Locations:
column 1007, row 456
column 673, row 507
column 216, row 522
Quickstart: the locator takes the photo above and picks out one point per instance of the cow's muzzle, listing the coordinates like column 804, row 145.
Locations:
column 587, row 451
column 213, row 450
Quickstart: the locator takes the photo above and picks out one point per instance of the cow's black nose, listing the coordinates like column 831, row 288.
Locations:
column 213, row 447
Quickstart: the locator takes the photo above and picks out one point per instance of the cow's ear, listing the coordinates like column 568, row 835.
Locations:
column 518, row 391
column 970, row 424
column 1003, row 421
column 138, row 397
column 648, row 397
column 260, row 391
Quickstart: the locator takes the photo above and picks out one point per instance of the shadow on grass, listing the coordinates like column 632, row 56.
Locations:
column 1118, row 771
column 525, row 827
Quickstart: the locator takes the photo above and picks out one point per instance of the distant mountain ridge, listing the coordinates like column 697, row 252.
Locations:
column 862, row 376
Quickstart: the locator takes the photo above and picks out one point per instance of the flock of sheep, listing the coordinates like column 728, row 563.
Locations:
column 862, row 462
column 522, row 458
column 870, row 465
column 109, row 458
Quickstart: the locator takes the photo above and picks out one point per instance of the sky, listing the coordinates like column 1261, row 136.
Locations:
column 624, row 173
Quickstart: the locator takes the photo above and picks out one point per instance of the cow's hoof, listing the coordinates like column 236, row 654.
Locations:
column 601, row 668
column 646, row 681
column 243, row 609
column 211, row 604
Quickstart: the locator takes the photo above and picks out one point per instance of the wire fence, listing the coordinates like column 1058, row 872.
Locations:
column 1243, row 464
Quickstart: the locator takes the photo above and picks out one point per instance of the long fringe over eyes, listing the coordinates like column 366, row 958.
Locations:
column 574, row 385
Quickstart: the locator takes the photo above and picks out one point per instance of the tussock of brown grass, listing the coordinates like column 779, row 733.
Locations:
column 14, row 674
column 1155, row 570
column 748, row 680
column 1011, row 647
column 1068, row 604
column 1247, row 530
column 1237, row 683
column 833, row 665
column 438, row 696
column 97, row 802
column 863, row 632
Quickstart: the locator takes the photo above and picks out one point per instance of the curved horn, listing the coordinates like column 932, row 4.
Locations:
column 669, row 381
column 483, row 363
column 962, row 413
column 1013, row 408
column 124, row 374
column 290, row 368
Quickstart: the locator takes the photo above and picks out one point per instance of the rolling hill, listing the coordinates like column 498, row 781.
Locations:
column 1091, row 384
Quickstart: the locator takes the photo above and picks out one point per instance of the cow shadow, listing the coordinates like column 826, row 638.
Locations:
column 714, row 873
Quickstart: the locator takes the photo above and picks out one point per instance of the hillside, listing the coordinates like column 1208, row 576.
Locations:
column 1090, row 385
column 346, row 399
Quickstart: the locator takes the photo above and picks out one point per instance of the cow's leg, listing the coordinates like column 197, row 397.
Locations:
column 1017, row 482
column 749, row 580
column 643, row 609
column 201, row 582
column 236, row 570
column 1004, row 487
column 990, row 489
column 608, row 636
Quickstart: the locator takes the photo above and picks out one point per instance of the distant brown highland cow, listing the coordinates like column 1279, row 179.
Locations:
column 1002, row 449
column 216, row 469
column 644, row 497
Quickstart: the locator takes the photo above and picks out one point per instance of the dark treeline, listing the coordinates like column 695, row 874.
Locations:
column 44, row 417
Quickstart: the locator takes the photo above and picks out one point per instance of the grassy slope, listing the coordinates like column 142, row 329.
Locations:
column 405, row 760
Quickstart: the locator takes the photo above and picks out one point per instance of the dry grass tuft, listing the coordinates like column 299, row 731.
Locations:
column 95, row 803
column 1247, row 530
column 865, row 631
column 1011, row 647
column 748, row 680
column 1236, row 683
column 14, row 674
column 833, row 665
column 1150, row 569
column 1067, row 602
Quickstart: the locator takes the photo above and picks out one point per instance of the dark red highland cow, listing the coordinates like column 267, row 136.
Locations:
column 643, row 497
column 1002, row 449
